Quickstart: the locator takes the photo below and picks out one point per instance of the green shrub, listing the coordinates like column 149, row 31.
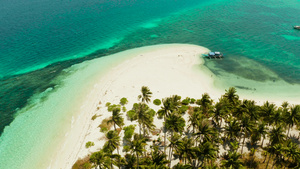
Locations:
column 124, row 109
column 94, row 116
column 82, row 163
column 193, row 100
column 157, row 102
column 186, row 101
column 128, row 132
column 104, row 126
column 110, row 108
column 131, row 115
column 126, row 148
column 123, row 101
column 89, row 144
column 103, row 129
column 107, row 104
column 183, row 108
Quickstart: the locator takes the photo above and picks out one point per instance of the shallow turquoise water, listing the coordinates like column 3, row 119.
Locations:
column 49, row 31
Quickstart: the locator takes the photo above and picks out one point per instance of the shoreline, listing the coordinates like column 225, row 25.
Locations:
column 62, row 121
column 179, row 66
column 125, row 80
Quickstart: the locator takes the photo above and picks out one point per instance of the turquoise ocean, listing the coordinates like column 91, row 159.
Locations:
column 40, row 39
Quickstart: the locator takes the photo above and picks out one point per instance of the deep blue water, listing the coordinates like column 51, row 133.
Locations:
column 37, row 33
column 34, row 34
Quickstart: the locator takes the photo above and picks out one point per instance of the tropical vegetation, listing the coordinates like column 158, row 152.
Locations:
column 201, row 133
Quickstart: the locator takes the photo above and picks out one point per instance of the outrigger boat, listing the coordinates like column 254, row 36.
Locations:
column 297, row 27
column 214, row 55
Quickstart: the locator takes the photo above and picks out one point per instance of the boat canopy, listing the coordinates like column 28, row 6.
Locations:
column 217, row 53
column 211, row 53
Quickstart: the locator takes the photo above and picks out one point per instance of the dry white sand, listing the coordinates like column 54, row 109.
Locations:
column 165, row 69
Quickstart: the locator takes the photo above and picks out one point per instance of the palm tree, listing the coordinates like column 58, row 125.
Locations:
column 174, row 143
column 144, row 115
column 182, row 166
column 117, row 118
column 194, row 119
column 205, row 152
column 262, row 131
column 276, row 118
column 232, row 130
column 250, row 109
column 278, row 151
column 232, row 96
column 246, row 128
column 292, row 151
column 170, row 104
column 205, row 102
column 267, row 110
column 174, row 123
column 101, row 159
column 232, row 160
column 112, row 143
column 185, row 150
column 205, row 132
column 276, row 136
column 158, row 158
column 137, row 146
column 146, row 94
column 129, row 161
column 292, row 117
column 271, row 151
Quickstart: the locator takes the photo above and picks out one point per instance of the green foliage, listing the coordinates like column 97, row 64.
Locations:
column 126, row 148
column 123, row 101
column 82, row 164
column 104, row 126
column 89, row 144
column 103, row 129
column 186, row 101
column 157, row 102
column 94, row 116
column 146, row 94
column 193, row 100
column 107, row 104
column 128, row 132
column 240, row 124
column 124, row 109
column 110, row 108
column 131, row 115
column 183, row 109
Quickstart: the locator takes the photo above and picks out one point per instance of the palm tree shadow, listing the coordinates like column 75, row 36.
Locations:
column 188, row 133
column 249, row 145
column 295, row 139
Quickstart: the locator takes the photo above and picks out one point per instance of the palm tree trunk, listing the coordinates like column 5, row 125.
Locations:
column 137, row 157
column 170, row 157
column 243, row 144
column 288, row 131
column 111, row 164
column 165, row 138
column 140, row 128
column 119, row 158
column 268, row 160
column 262, row 142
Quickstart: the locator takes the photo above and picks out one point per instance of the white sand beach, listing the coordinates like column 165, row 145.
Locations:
column 165, row 69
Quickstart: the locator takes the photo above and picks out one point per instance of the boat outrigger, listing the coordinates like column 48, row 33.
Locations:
column 214, row 55
column 297, row 27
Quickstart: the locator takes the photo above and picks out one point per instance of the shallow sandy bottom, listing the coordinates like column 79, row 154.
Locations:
column 52, row 132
